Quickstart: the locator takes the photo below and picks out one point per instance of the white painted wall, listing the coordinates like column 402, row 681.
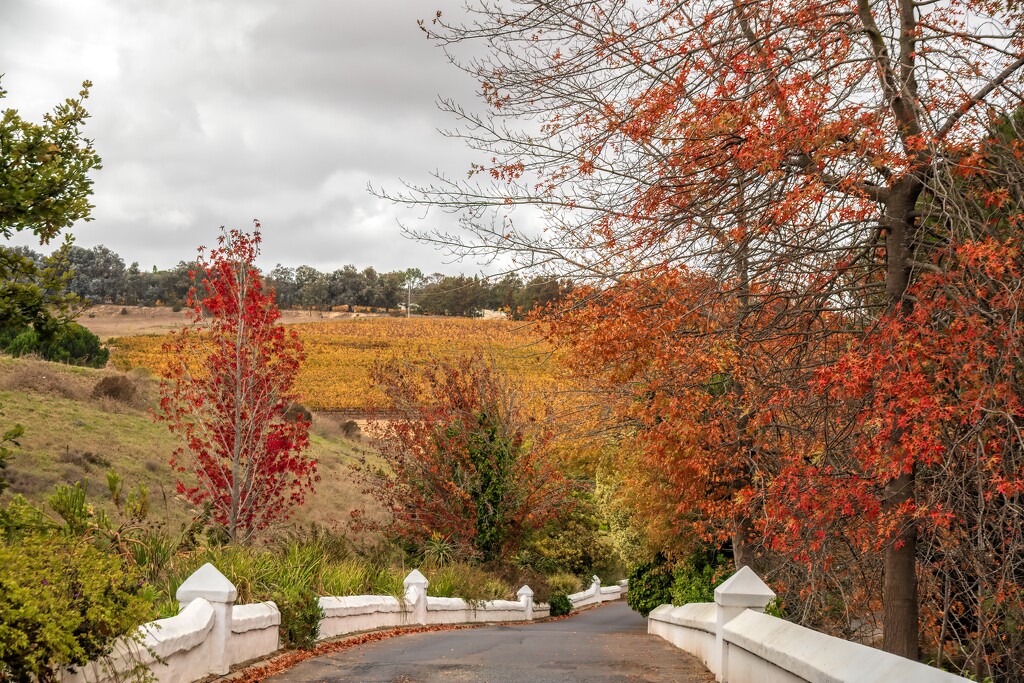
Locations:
column 211, row 633
column 182, row 642
column 360, row 613
column 595, row 593
column 741, row 644
column 255, row 631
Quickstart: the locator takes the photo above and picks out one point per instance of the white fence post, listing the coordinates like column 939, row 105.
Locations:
column 526, row 597
column 743, row 590
column 595, row 584
column 416, row 595
column 214, row 587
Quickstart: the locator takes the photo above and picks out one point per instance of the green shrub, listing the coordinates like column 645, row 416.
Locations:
column 70, row 343
column 559, row 604
column 572, row 542
column 695, row 579
column 63, row 603
column 300, row 617
column 23, row 344
column 650, row 585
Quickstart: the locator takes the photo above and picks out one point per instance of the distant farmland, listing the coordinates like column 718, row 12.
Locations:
column 339, row 354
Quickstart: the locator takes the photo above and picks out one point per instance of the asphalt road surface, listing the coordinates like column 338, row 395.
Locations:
column 602, row 645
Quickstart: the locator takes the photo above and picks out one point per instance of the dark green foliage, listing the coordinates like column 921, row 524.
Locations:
column 44, row 189
column 494, row 455
column 559, row 604
column 300, row 617
column 695, row 579
column 70, row 343
column 650, row 585
column 62, row 603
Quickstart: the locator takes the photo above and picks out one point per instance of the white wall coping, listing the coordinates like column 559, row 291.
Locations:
column 503, row 605
column 350, row 605
column 448, row 604
column 819, row 658
column 583, row 595
column 608, row 590
column 211, row 633
column 255, row 616
column 184, row 631
column 699, row 616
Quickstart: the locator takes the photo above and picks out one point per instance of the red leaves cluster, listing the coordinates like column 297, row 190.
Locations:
column 227, row 394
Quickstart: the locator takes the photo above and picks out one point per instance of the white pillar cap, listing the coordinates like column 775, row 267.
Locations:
column 744, row 589
column 415, row 578
column 207, row 582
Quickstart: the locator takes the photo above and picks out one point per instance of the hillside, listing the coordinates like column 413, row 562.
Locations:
column 72, row 436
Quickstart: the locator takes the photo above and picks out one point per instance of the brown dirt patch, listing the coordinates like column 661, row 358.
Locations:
column 107, row 320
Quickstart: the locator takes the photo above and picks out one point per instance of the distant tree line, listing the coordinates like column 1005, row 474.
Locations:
column 99, row 276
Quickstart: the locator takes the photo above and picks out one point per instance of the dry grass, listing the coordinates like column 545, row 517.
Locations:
column 73, row 436
column 106, row 321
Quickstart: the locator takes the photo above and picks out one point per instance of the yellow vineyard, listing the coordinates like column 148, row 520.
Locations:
column 339, row 354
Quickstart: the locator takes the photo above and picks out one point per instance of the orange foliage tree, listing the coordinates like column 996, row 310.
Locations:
column 785, row 149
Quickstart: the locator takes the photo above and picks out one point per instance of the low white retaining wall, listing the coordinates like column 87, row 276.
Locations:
column 741, row 644
column 255, row 631
column 360, row 613
column 595, row 593
column 211, row 633
column 181, row 641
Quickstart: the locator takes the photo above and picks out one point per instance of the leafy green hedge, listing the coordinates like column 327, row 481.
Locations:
column 63, row 603
column 559, row 604
column 650, row 585
column 70, row 343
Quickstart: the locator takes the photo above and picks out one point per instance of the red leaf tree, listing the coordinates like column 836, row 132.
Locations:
column 227, row 391
column 465, row 460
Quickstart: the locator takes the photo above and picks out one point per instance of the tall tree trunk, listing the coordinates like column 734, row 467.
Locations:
column 899, row 592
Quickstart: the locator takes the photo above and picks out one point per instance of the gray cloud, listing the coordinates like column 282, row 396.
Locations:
column 215, row 112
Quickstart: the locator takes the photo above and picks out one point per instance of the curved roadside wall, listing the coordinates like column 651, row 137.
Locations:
column 741, row 644
column 211, row 633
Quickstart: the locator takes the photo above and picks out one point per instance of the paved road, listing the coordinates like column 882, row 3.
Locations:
column 603, row 645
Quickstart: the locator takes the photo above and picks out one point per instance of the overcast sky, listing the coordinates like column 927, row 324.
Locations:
column 215, row 112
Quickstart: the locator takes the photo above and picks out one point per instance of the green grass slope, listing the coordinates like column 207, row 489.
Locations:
column 73, row 435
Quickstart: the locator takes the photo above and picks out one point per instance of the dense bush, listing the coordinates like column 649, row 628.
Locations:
column 650, row 585
column 62, row 603
column 559, row 604
column 300, row 616
column 572, row 542
column 71, row 343
column 695, row 579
